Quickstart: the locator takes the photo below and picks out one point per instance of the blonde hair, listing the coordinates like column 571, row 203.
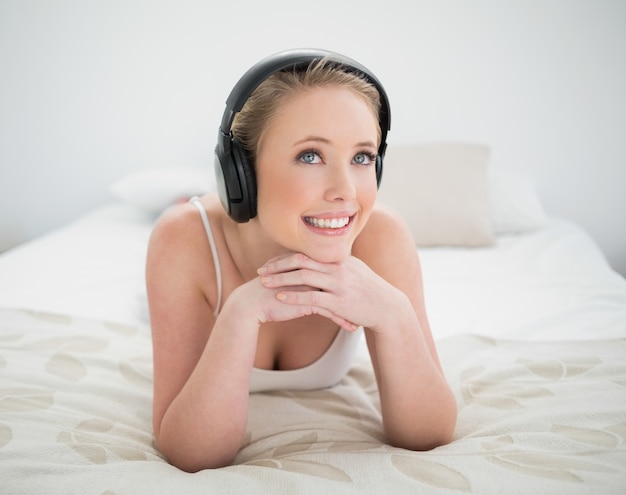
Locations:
column 262, row 105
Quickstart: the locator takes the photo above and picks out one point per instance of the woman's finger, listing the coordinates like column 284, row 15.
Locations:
column 290, row 262
column 302, row 277
column 313, row 302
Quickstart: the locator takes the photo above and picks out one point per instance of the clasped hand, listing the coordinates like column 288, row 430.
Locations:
column 347, row 292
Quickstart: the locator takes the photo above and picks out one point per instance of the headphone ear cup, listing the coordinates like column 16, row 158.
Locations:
column 247, row 178
column 379, row 170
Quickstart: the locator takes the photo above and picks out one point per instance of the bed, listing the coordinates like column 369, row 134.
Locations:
column 529, row 319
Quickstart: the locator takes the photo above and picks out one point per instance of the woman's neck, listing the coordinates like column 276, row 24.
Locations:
column 250, row 247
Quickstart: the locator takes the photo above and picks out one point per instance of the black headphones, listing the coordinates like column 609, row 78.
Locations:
column 236, row 179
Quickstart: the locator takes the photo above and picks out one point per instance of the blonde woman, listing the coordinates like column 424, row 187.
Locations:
column 271, row 283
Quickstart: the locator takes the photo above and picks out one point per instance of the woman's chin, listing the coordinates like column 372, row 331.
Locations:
column 328, row 255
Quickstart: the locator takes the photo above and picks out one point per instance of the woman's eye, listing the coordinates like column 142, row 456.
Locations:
column 364, row 158
column 310, row 157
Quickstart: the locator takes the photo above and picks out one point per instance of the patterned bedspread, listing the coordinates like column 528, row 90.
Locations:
column 534, row 417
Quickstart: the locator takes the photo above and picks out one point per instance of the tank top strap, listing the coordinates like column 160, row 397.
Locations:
column 216, row 260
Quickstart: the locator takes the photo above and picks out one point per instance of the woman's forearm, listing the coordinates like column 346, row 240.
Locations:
column 204, row 426
column 417, row 404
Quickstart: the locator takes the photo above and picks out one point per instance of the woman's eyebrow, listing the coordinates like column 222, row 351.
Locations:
column 313, row 138
column 324, row 140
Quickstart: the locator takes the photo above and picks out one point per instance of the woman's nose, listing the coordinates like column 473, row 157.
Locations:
column 341, row 185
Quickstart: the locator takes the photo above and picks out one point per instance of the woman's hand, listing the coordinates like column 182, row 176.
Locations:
column 347, row 292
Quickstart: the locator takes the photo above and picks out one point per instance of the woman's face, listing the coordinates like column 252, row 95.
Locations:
column 316, row 172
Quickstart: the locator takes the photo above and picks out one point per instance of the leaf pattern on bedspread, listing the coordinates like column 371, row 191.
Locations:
column 620, row 430
column 556, row 370
column 24, row 399
column 138, row 371
column 121, row 328
column 547, row 448
column 559, row 467
column 45, row 317
column 82, row 344
column 66, row 366
column 353, row 447
column 497, row 393
column 93, row 440
column 6, row 434
column 326, row 401
column 595, row 437
column 62, row 363
column 430, row 472
column 309, row 468
column 75, row 407
column 302, row 444
column 564, row 465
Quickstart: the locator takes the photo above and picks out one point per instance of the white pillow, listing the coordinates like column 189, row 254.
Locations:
column 441, row 191
column 155, row 189
column 515, row 206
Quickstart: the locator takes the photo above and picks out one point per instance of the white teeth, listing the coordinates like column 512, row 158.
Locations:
column 327, row 223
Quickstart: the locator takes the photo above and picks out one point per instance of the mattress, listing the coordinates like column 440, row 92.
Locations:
column 531, row 333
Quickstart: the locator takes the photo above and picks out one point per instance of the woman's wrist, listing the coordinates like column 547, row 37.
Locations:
column 398, row 314
column 239, row 314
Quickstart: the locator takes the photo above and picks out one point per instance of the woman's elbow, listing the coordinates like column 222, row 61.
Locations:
column 193, row 464
column 193, row 458
column 422, row 442
column 428, row 435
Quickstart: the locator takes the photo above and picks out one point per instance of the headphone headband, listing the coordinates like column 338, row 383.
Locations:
column 235, row 176
column 259, row 72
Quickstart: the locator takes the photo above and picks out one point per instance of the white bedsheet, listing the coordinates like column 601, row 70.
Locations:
column 93, row 268
column 550, row 284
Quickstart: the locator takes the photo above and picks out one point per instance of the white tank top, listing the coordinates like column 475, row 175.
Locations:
column 329, row 369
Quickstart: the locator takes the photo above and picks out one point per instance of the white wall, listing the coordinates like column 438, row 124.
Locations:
column 91, row 90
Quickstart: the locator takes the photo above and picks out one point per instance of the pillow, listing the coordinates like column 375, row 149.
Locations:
column 155, row 189
column 515, row 206
column 441, row 191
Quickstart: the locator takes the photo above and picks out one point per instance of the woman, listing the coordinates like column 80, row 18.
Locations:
column 279, row 297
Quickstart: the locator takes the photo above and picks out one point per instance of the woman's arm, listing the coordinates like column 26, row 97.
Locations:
column 202, row 365
column 380, row 287
column 418, row 407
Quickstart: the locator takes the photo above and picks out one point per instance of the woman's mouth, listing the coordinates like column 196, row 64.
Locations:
column 327, row 223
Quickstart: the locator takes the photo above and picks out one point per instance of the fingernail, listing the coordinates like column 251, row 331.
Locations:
column 266, row 280
column 261, row 270
column 281, row 297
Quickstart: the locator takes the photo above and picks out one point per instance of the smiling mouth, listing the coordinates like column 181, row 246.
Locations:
column 327, row 223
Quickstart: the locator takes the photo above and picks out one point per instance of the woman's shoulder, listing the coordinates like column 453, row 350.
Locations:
column 177, row 257
column 178, row 241
column 181, row 223
column 387, row 246
column 385, row 226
